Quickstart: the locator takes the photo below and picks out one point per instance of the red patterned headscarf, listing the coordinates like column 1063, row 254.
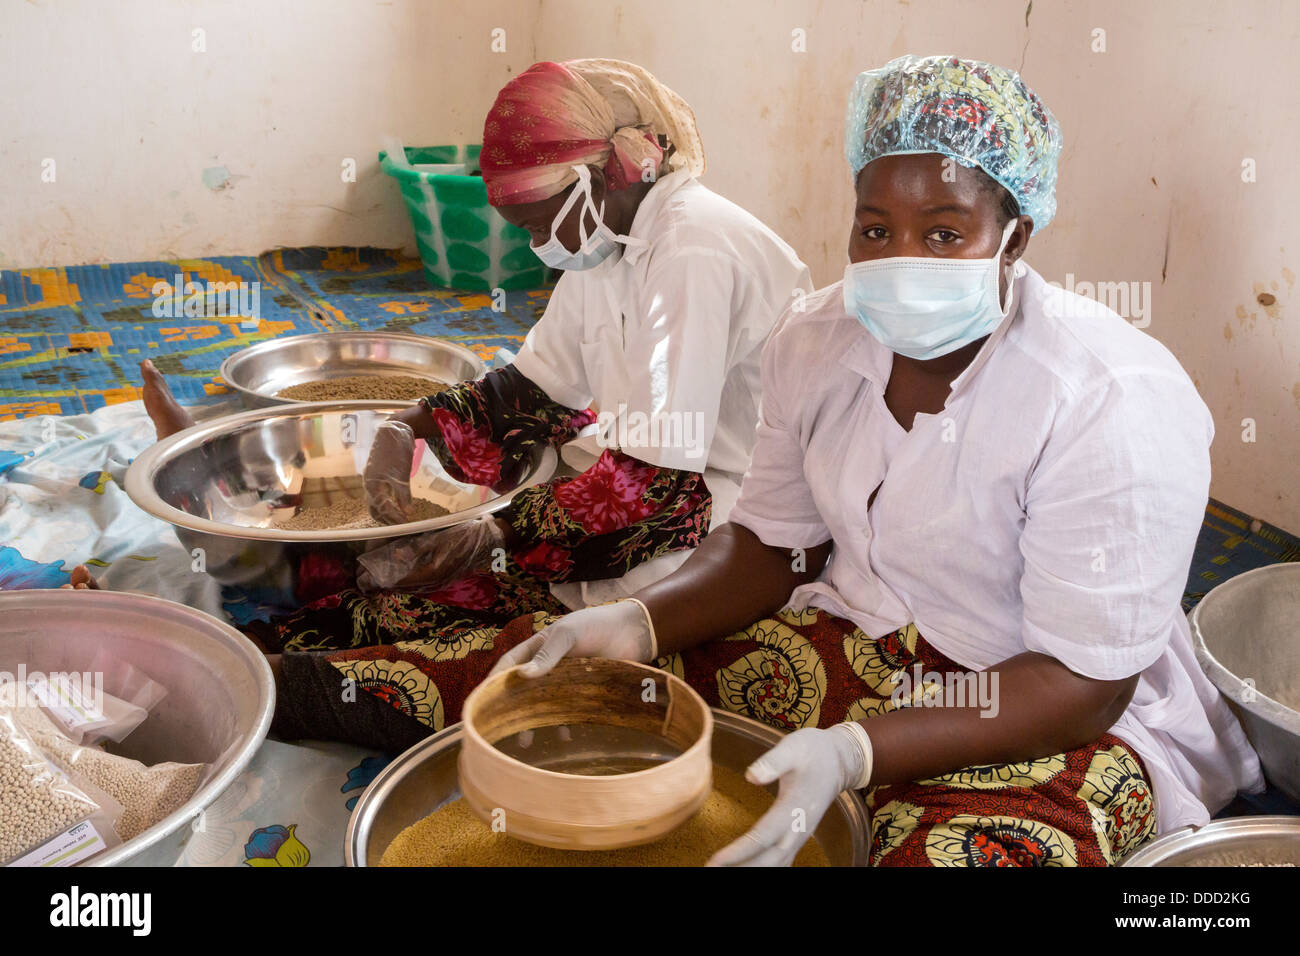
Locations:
column 603, row 113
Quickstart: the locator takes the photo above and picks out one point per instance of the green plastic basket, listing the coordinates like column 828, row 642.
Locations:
column 464, row 243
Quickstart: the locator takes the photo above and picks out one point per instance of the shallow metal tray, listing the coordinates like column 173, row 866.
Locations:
column 259, row 371
column 223, row 483
column 1229, row 842
column 220, row 691
column 1246, row 634
column 424, row 778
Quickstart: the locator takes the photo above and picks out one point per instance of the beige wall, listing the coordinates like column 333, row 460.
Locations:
column 285, row 92
column 1156, row 128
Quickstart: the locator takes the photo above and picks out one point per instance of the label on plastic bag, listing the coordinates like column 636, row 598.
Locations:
column 65, row 701
column 69, row 847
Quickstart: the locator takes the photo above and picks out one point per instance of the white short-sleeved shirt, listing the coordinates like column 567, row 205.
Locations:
column 1051, row 506
column 665, row 338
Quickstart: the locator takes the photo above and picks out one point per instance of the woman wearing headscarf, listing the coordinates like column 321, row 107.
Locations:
column 647, row 355
column 956, row 564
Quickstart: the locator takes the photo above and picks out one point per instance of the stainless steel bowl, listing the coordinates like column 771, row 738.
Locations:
column 1247, row 636
column 220, row 691
column 424, row 778
column 222, row 485
column 1240, row 841
column 259, row 371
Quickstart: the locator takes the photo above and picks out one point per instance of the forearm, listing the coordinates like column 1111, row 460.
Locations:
column 1036, row 707
column 731, row 580
column 511, row 540
column 481, row 431
column 619, row 512
column 420, row 421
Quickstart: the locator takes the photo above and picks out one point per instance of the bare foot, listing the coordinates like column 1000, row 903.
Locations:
column 79, row 579
column 167, row 414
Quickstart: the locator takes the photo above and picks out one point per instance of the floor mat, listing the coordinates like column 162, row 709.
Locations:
column 71, row 337
column 373, row 289
column 1231, row 542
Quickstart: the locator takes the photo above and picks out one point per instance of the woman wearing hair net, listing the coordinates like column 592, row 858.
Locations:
column 956, row 563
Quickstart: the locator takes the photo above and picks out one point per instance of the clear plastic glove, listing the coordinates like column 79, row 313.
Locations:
column 620, row 630
column 432, row 559
column 387, row 478
column 813, row 767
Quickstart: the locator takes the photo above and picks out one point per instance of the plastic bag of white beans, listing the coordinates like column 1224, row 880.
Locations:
column 82, row 707
column 147, row 794
column 48, row 817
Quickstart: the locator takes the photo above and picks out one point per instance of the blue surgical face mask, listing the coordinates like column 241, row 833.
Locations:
column 593, row 248
column 924, row 308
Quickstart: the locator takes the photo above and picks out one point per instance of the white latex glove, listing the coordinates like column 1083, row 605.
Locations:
column 621, row 631
column 432, row 559
column 387, row 478
column 813, row 767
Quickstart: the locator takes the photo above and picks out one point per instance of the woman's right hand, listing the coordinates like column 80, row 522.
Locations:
column 387, row 478
column 620, row 631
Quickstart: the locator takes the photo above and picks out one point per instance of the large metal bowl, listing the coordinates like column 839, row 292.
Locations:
column 259, row 371
column 223, row 484
column 1240, row 841
column 1247, row 636
column 424, row 778
column 220, row 691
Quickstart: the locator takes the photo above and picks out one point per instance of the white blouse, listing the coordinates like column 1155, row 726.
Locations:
column 666, row 339
column 1051, row 506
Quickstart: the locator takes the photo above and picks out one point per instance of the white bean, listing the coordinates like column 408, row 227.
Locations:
column 37, row 801
column 147, row 794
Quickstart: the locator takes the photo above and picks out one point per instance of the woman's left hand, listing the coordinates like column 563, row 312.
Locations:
column 621, row 631
column 433, row 559
column 387, row 475
column 813, row 767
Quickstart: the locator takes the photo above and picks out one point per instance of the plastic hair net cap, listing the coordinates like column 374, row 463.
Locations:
column 979, row 114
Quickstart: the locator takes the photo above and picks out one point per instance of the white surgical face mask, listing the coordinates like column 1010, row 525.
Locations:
column 593, row 248
column 924, row 308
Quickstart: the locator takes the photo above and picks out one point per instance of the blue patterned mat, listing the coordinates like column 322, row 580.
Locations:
column 71, row 337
